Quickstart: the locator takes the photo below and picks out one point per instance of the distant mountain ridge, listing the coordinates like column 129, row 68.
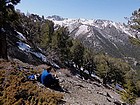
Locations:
column 55, row 17
column 103, row 36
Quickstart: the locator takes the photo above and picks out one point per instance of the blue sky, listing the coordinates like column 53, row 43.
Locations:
column 114, row 10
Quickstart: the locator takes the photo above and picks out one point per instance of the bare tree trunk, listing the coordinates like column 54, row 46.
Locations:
column 3, row 45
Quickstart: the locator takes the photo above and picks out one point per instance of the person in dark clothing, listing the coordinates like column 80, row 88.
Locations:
column 48, row 79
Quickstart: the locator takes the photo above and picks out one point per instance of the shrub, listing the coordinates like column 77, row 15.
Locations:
column 15, row 91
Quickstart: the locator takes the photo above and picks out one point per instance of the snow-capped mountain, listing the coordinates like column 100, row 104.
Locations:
column 103, row 36
column 84, row 24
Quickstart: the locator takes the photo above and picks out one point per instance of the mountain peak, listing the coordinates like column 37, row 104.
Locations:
column 55, row 17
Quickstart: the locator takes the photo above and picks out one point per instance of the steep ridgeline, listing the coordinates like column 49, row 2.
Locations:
column 106, row 36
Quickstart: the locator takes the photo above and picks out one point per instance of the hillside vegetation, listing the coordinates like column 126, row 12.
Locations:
column 15, row 89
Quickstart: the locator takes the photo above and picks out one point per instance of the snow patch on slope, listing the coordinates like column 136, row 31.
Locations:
column 122, row 28
column 25, row 47
column 21, row 36
column 40, row 55
column 83, row 29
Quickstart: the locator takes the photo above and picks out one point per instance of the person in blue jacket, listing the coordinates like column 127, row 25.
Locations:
column 47, row 78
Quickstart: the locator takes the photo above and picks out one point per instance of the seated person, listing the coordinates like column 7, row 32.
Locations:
column 47, row 79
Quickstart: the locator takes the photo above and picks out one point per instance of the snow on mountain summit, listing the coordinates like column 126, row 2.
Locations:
column 82, row 24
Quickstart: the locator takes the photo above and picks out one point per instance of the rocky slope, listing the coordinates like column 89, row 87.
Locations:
column 76, row 90
column 103, row 36
column 86, row 92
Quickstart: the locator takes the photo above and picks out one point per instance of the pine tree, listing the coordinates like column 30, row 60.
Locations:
column 111, row 69
column 77, row 51
column 88, row 61
column 135, row 20
column 61, row 42
column 47, row 31
column 7, row 18
column 129, row 95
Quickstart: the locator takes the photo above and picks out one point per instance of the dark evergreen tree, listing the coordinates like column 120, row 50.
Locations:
column 47, row 31
column 135, row 20
column 88, row 61
column 77, row 51
column 62, row 42
column 113, row 70
column 131, row 78
column 7, row 18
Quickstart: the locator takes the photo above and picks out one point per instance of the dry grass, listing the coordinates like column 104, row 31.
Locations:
column 14, row 90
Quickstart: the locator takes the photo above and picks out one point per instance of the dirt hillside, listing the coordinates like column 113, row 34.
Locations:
column 76, row 90
column 86, row 92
